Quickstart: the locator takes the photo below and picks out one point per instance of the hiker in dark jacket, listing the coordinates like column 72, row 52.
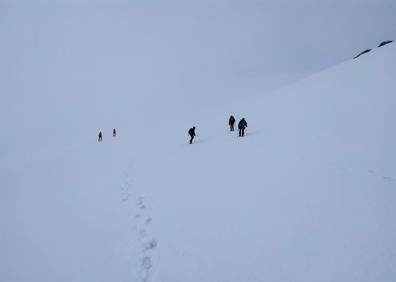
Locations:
column 231, row 122
column 100, row 136
column 191, row 132
column 241, row 126
column 114, row 132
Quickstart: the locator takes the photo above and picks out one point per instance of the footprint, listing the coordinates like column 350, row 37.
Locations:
column 125, row 193
column 147, row 244
column 125, row 197
column 146, row 262
column 151, row 245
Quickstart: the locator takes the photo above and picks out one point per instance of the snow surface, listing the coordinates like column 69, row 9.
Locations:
column 308, row 194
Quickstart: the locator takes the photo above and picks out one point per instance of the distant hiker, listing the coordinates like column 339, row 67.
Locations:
column 191, row 132
column 241, row 126
column 100, row 136
column 114, row 132
column 231, row 122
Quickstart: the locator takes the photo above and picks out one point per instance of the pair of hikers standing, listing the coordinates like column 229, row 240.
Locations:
column 100, row 135
column 241, row 125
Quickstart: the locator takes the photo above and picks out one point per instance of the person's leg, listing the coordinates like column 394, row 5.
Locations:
column 240, row 132
column 243, row 132
column 191, row 139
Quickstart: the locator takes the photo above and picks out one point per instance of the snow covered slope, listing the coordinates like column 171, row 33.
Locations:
column 308, row 195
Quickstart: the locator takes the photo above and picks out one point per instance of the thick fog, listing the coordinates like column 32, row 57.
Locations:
column 59, row 58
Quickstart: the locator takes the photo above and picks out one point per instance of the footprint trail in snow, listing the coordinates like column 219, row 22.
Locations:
column 147, row 244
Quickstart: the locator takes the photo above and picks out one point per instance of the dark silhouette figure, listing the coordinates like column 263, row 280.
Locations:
column 100, row 136
column 191, row 132
column 241, row 126
column 114, row 132
column 231, row 122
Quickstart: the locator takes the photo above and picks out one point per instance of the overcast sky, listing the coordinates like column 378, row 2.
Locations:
column 217, row 39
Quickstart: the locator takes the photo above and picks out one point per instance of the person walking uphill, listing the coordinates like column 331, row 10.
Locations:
column 231, row 122
column 100, row 136
column 241, row 126
column 191, row 132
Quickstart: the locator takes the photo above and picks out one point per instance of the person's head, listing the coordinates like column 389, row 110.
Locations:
column 194, row 127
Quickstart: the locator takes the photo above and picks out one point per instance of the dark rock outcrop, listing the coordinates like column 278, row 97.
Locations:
column 385, row 42
column 364, row 52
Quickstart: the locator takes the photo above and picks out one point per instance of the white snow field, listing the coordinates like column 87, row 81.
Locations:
column 309, row 194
